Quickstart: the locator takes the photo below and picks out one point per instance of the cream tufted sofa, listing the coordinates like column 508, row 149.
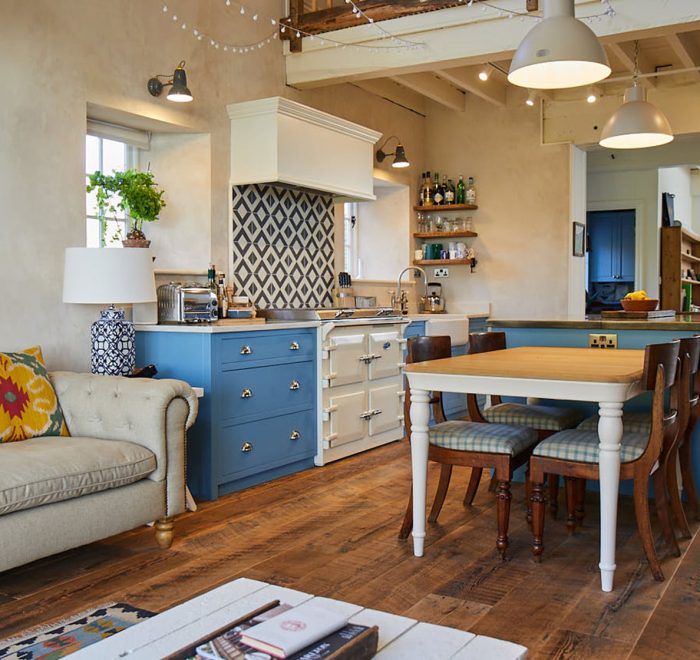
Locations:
column 122, row 466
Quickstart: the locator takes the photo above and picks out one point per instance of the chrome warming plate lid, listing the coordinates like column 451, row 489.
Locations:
column 328, row 313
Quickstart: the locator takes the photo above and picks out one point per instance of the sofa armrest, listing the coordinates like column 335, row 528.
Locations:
column 154, row 413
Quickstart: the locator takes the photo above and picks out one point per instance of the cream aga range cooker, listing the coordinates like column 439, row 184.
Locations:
column 361, row 377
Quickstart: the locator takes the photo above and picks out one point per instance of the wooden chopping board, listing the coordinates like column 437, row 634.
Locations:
column 622, row 314
column 240, row 321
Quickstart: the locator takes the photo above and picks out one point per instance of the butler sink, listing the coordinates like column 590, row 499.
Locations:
column 454, row 325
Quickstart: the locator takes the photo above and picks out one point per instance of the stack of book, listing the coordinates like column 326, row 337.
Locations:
column 305, row 632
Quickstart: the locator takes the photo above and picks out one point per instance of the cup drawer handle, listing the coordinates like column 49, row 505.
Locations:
column 295, row 385
column 295, row 435
column 246, row 393
column 294, row 346
column 246, row 447
column 246, row 350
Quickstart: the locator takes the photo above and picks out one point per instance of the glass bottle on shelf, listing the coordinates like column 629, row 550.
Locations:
column 438, row 194
column 471, row 191
column 427, row 193
column 449, row 192
column 460, row 192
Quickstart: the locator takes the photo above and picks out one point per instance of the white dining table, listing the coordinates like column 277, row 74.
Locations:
column 603, row 376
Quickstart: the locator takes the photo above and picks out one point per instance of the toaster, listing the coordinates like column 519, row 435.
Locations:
column 186, row 303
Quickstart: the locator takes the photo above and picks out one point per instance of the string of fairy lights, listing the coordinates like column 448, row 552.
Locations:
column 387, row 40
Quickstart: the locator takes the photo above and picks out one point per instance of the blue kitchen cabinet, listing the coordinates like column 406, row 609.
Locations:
column 612, row 246
column 257, row 419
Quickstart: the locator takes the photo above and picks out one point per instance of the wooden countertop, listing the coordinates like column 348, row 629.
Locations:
column 543, row 363
column 681, row 323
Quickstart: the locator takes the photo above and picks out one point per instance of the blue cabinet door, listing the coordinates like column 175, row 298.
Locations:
column 627, row 245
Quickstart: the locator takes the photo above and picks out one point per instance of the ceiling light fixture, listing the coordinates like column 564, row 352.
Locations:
column 592, row 95
column 531, row 98
column 636, row 124
column 559, row 52
column 484, row 75
column 399, row 155
column 179, row 91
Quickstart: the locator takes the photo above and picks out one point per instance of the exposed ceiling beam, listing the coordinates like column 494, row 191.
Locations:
column 462, row 36
column 343, row 16
column 467, row 79
column 624, row 52
column 685, row 49
column 429, row 85
column 394, row 92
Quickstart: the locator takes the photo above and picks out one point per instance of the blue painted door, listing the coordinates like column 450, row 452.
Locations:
column 612, row 246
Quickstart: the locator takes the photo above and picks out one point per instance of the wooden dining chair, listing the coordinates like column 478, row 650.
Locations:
column 574, row 453
column 686, row 398
column 502, row 447
column 546, row 420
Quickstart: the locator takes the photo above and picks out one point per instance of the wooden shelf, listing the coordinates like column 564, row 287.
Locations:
column 686, row 281
column 690, row 257
column 445, row 262
column 447, row 207
column 447, row 234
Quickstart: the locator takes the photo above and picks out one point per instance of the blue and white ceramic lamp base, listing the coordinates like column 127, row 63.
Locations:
column 113, row 344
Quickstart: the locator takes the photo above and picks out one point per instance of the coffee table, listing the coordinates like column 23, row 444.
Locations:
column 399, row 637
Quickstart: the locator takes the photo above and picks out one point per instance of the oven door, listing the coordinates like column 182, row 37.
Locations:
column 347, row 350
column 385, row 408
column 346, row 418
column 386, row 353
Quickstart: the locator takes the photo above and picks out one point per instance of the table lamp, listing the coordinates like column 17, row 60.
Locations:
column 110, row 276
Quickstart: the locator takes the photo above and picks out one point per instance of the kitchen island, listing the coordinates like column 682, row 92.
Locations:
column 578, row 333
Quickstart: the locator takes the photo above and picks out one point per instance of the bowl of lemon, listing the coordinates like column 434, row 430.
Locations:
column 638, row 301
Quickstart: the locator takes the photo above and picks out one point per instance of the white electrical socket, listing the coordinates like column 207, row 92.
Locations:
column 441, row 272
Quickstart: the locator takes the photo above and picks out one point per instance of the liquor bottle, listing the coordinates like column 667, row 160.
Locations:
column 450, row 192
column 443, row 185
column 221, row 298
column 471, row 192
column 211, row 277
column 427, row 191
column 460, row 194
column 421, row 185
column 438, row 192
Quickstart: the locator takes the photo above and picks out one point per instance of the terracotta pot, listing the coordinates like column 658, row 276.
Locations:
column 136, row 243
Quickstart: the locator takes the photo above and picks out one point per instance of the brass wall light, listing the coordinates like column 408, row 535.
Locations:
column 399, row 155
column 179, row 91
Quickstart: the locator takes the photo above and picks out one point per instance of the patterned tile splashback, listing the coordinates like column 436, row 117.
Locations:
column 282, row 244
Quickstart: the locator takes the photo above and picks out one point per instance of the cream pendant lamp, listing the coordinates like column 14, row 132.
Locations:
column 636, row 124
column 559, row 52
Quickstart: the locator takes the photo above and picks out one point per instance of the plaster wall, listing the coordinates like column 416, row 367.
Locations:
column 523, row 196
column 636, row 189
column 695, row 193
column 58, row 59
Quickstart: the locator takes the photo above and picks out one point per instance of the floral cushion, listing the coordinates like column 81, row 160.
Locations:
column 582, row 446
column 542, row 418
column 28, row 403
column 635, row 422
column 473, row 436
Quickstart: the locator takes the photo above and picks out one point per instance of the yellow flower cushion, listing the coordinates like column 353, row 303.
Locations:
column 28, row 404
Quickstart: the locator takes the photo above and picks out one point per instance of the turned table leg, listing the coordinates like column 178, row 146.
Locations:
column 420, row 417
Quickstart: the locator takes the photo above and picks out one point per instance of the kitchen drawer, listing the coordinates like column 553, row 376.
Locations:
column 265, row 390
column 256, row 446
column 242, row 348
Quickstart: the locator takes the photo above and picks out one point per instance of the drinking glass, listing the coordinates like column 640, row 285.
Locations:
column 439, row 223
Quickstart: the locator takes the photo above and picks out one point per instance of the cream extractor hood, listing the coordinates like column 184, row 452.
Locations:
column 278, row 140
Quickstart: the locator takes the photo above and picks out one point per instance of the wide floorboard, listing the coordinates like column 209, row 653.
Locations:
column 332, row 531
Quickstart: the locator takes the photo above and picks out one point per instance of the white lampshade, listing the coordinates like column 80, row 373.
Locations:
column 108, row 276
column 636, row 124
column 559, row 52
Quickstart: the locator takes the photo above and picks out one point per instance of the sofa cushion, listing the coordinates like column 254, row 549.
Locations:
column 29, row 407
column 44, row 470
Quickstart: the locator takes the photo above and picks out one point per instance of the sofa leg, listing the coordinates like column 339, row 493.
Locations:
column 164, row 532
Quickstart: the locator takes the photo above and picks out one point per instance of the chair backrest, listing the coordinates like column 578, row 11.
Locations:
column 483, row 342
column 422, row 349
column 686, row 394
column 661, row 369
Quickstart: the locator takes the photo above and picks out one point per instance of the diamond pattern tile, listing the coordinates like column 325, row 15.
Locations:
column 282, row 246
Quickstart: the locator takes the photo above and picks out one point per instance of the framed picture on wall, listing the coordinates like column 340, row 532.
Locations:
column 579, row 239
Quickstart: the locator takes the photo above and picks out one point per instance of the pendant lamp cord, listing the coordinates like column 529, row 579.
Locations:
column 636, row 63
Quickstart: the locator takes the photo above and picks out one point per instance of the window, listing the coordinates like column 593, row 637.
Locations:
column 350, row 241
column 109, row 148
column 106, row 156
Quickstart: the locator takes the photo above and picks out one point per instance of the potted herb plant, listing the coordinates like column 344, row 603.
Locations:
column 136, row 193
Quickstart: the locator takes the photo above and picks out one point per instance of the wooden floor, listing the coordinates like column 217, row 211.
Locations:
column 332, row 531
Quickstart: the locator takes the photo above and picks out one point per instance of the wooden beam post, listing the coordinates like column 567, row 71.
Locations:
column 296, row 11
column 532, row 5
